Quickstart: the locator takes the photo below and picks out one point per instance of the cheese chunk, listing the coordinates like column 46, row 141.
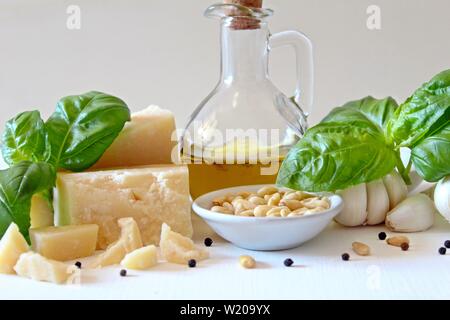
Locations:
column 12, row 245
column 34, row 266
column 41, row 212
column 65, row 243
column 145, row 140
column 141, row 259
column 151, row 195
column 129, row 241
column 179, row 249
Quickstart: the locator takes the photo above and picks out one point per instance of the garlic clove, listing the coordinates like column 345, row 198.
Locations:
column 377, row 202
column 415, row 213
column 442, row 197
column 354, row 212
column 396, row 188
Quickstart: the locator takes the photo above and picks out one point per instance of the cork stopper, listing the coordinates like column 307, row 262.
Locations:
column 246, row 3
column 243, row 23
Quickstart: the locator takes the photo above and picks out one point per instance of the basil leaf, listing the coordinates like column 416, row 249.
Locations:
column 378, row 111
column 17, row 185
column 83, row 127
column 24, row 138
column 336, row 155
column 431, row 157
column 428, row 105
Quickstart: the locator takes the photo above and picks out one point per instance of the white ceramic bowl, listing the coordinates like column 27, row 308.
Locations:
column 264, row 233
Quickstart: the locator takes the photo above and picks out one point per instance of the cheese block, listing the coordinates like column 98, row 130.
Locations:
column 129, row 241
column 41, row 212
column 151, row 195
column 141, row 259
column 145, row 140
column 34, row 266
column 176, row 248
column 65, row 243
column 12, row 245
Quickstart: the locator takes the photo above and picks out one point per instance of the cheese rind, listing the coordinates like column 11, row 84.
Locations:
column 129, row 241
column 12, row 245
column 179, row 249
column 141, row 259
column 65, row 243
column 41, row 212
column 34, row 266
column 145, row 140
column 151, row 195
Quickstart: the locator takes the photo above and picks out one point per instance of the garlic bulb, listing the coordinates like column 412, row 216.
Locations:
column 415, row 213
column 354, row 212
column 442, row 197
column 396, row 188
column 377, row 202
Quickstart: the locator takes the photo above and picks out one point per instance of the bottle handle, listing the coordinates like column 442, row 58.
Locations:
column 304, row 89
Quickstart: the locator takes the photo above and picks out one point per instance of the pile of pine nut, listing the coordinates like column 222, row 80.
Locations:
column 270, row 201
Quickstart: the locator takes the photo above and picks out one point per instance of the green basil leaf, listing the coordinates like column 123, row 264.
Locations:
column 336, row 155
column 431, row 157
column 420, row 112
column 83, row 127
column 378, row 111
column 17, row 185
column 24, row 138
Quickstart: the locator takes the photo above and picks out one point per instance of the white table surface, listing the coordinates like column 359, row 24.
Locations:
column 319, row 273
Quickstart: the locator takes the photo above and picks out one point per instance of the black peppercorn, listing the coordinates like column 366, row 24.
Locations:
column 78, row 264
column 123, row 273
column 405, row 246
column 382, row 235
column 288, row 262
column 442, row 250
column 208, row 242
column 447, row 244
column 345, row 257
column 192, row 263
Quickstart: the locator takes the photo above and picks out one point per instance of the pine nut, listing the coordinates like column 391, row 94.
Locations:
column 247, row 262
column 218, row 201
column 261, row 211
column 291, row 204
column 268, row 190
column 246, row 213
column 360, row 248
column 221, row 210
column 274, row 199
column 257, row 200
column 397, row 241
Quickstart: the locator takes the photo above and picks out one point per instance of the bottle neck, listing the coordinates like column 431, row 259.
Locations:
column 244, row 53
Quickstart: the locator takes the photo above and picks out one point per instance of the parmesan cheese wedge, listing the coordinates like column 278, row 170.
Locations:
column 34, row 266
column 12, row 245
column 130, row 240
column 146, row 139
column 141, row 259
column 65, row 243
column 151, row 195
column 179, row 249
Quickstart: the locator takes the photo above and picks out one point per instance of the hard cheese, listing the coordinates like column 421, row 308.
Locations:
column 151, row 195
column 65, row 243
column 129, row 241
column 12, row 245
column 145, row 140
column 34, row 266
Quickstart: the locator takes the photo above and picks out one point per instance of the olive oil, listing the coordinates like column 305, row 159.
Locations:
column 206, row 177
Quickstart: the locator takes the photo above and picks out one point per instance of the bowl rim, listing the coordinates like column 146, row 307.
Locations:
column 210, row 215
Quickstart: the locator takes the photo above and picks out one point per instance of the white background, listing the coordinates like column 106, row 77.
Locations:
column 165, row 52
